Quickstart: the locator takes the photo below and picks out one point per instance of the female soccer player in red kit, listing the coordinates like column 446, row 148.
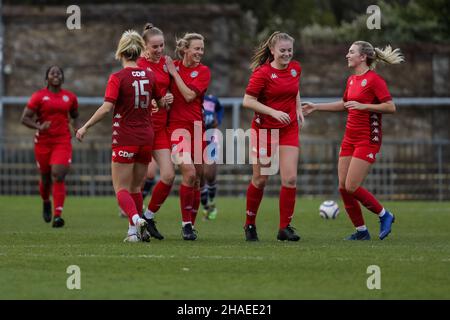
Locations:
column 129, row 93
column 156, row 62
column 273, row 93
column 366, row 98
column 190, row 80
column 53, row 150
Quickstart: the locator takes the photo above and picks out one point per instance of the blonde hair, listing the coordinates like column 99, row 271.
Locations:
column 185, row 42
column 130, row 46
column 262, row 53
column 149, row 31
column 374, row 55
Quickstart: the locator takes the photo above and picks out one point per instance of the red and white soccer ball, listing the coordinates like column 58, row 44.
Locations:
column 329, row 209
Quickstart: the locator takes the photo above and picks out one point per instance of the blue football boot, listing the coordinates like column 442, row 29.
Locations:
column 386, row 224
column 359, row 235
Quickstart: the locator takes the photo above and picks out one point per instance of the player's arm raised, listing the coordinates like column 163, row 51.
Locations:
column 309, row 107
column 385, row 107
column 188, row 94
column 101, row 112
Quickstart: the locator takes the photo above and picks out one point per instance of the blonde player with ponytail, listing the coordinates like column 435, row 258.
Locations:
column 129, row 93
column 366, row 98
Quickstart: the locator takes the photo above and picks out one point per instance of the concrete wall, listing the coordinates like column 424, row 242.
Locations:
column 36, row 37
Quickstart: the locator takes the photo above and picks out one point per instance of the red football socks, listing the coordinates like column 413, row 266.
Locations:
column 44, row 190
column 353, row 208
column 287, row 204
column 254, row 197
column 159, row 195
column 59, row 195
column 186, row 202
column 368, row 200
column 138, row 201
column 126, row 203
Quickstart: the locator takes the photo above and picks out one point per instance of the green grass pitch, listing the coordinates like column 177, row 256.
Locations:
column 414, row 260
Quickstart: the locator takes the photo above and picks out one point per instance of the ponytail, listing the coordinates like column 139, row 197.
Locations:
column 374, row 55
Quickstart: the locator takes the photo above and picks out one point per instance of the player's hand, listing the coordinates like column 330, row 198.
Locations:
column 44, row 126
column 281, row 116
column 146, row 55
column 170, row 66
column 155, row 107
column 308, row 108
column 354, row 105
column 80, row 133
column 169, row 99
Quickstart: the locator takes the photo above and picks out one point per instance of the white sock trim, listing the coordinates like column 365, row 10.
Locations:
column 148, row 214
column 131, row 229
column 382, row 213
column 135, row 218
column 361, row 228
column 185, row 223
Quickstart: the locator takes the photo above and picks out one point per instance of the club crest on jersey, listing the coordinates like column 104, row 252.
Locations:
column 149, row 69
column 274, row 76
column 65, row 98
column 351, row 82
column 194, row 74
column 364, row 83
column 293, row 73
column 46, row 98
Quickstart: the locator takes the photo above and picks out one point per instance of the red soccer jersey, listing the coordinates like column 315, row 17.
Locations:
column 363, row 125
column 197, row 79
column 159, row 119
column 54, row 107
column 277, row 89
column 131, row 91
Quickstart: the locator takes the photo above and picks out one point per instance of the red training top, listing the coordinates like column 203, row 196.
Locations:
column 54, row 107
column 363, row 125
column 197, row 79
column 131, row 91
column 159, row 119
column 276, row 89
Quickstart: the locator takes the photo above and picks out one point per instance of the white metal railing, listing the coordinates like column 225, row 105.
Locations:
column 236, row 102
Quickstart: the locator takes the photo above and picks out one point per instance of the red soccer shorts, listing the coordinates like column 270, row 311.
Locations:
column 262, row 144
column 50, row 154
column 364, row 151
column 186, row 137
column 132, row 154
column 161, row 140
